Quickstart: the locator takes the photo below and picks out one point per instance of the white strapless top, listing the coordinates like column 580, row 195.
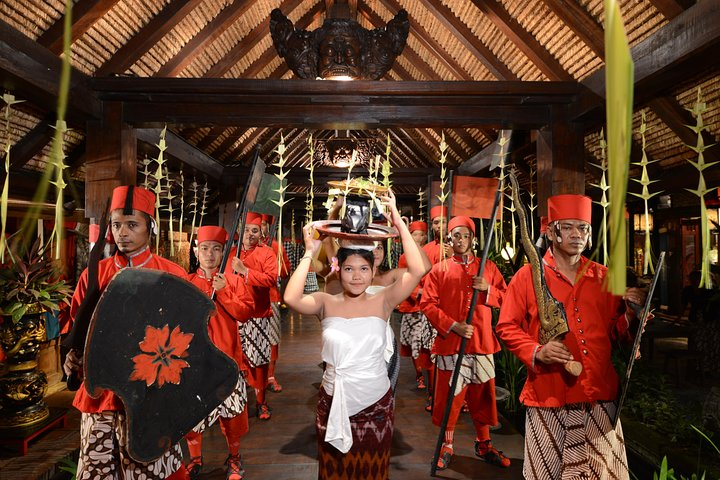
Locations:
column 356, row 351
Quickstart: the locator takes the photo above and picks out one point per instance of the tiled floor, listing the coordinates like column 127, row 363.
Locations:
column 285, row 446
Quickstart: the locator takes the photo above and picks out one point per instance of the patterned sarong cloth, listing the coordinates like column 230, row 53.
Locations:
column 103, row 451
column 274, row 324
column 231, row 407
column 475, row 368
column 290, row 250
column 574, row 442
column 369, row 456
column 311, row 283
column 416, row 332
column 255, row 336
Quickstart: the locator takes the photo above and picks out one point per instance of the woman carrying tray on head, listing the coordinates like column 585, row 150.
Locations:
column 355, row 396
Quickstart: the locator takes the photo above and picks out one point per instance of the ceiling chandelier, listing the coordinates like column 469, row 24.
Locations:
column 341, row 152
column 341, row 49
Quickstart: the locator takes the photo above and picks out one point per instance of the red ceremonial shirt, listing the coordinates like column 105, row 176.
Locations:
column 233, row 304
column 446, row 298
column 595, row 319
column 261, row 277
column 284, row 271
column 412, row 303
column 107, row 269
column 432, row 250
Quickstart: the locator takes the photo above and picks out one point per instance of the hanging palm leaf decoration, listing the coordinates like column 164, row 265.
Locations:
column 280, row 150
column 443, row 194
column 645, row 195
column 158, row 177
column 9, row 102
column 697, row 111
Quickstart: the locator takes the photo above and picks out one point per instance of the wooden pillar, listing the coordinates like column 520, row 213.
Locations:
column 111, row 158
column 560, row 160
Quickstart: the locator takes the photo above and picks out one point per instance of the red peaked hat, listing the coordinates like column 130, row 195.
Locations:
column 210, row 233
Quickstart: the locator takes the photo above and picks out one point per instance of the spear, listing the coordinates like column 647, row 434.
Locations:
column 463, row 341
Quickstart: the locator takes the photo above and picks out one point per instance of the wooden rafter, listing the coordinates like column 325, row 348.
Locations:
column 247, row 43
column 210, row 137
column 524, row 41
column 663, row 59
column 672, row 8
column 229, row 141
column 32, row 143
column 84, row 15
column 412, row 56
column 147, row 37
column 579, row 20
column 678, row 119
column 204, row 38
column 465, row 36
column 429, row 43
column 182, row 150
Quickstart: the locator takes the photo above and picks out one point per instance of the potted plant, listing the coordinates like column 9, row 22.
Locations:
column 29, row 286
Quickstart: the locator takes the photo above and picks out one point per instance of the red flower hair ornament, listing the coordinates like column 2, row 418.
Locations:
column 161, row 357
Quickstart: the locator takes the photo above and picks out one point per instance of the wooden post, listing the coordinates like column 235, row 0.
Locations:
column 111, row 158
column 560, row 158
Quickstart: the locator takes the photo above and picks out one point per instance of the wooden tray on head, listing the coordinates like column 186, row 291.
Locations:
column 356, row 187
column 331, row 228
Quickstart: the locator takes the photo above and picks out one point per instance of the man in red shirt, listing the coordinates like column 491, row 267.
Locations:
column 447, row 294
column 275, row 297
column 416, row 333
column 233, row 305
column 103, row 451
column 569, row 430
column 438, row 222
column 257, row 264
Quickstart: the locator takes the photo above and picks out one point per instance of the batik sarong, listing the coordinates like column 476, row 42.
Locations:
column 274, row 324
column 103, row 451
column 369, row 456
column 475, row 368
column 416, row 333
column 311, row 283
column 233, row 406
column 574, row 442
column 255, row 336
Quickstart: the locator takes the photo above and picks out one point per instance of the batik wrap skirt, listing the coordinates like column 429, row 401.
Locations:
column 255, row 336
column 103, row 451
column 369, row 456
column 575, row 441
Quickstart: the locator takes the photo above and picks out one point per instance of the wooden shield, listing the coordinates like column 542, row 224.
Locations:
column 148, row 343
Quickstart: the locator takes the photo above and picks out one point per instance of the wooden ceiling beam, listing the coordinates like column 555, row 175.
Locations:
column 147, row 37
column 84, row 15
column 429, row 43
column 31, row 72
column 523, row 40
column 247, row 43
column 677, row 118
column 204, row 38
column 31, row 143
column 672, row 8
column 412, row 56
column 465, row 36
column 663, row 59
column 360, row 105
column 579, row 20
column 183, row 151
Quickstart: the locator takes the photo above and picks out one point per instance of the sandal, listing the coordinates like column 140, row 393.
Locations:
column 194, row 468
column 446, row 454
column 273, row 385
column 429, row 405
column 235, row 470
column 490, row 454
column 420, row 382
column 264, row 412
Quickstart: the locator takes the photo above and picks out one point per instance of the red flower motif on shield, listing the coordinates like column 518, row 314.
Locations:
column 161, row 357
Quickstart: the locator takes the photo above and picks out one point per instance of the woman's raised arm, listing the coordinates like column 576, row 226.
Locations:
column 294, row 297
column 417, row 262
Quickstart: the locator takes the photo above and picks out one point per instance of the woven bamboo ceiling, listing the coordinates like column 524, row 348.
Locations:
column 449, row 40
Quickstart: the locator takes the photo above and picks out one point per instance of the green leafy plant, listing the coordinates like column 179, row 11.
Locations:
column 30, row 282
